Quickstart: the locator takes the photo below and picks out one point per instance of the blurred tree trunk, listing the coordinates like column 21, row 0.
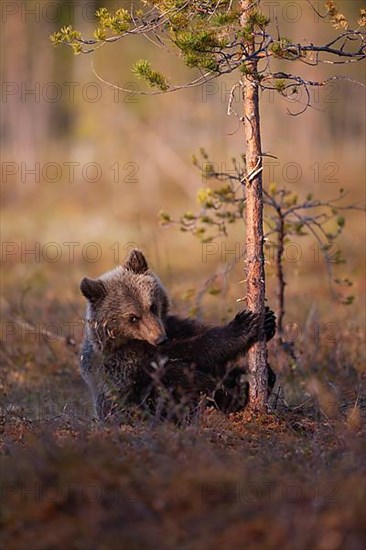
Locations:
column 18, row 121
column 41, row 64
column 255, row 275
column 29, row 89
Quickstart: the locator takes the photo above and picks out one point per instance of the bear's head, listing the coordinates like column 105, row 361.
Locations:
column 127, row 303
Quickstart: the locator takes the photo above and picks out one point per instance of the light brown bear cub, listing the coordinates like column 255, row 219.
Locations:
column 135, row 355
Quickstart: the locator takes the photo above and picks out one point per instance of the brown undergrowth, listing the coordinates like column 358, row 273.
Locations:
column 291, row 479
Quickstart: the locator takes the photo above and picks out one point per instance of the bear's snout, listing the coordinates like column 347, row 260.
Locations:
column 161, row 340
column 152, row 330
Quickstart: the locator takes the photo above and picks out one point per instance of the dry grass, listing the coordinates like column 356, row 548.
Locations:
column 293, row 479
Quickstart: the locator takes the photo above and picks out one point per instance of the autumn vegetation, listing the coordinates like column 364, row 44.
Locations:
column 292, row 478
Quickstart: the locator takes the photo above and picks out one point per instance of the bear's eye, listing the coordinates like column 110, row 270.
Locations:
column 134, row 319
column 154, row 309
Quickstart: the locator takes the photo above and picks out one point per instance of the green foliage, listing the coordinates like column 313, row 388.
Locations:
column 284, row 49
column 68, row 35
column 202, row 61
column 345, row 282
column 110, row 24
column 117, row 23
column 155, row 79
column 214, row 291
column 256, row 21
column 272, row 189
column 100, row 34
column 200, row 42
column 341, row 221
column 199, row 47
column 220, row 206
column 204, row 32
column 298, row 228
column 209, row 36
column 222, row 19
column 280, row 85
column 337, row 257
column 289, row 216
column 245, row 70
column 164, row 218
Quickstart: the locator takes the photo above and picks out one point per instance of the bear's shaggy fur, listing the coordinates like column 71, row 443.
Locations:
column 135, row 355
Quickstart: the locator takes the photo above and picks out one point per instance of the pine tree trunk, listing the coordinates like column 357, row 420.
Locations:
column 255, row 275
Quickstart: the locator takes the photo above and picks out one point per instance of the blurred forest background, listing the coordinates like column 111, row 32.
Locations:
column 56, row 113
column 85, row 171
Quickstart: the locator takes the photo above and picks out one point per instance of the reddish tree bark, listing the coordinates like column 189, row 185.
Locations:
column 255, row 274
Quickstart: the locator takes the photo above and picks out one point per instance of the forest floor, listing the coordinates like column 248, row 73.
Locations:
column 293, row 479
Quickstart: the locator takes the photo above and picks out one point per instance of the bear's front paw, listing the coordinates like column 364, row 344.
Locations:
column 245, row 323
column 248, row 323
column 269, row 324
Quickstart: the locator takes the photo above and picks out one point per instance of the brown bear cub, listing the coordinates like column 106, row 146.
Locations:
column 136, row 356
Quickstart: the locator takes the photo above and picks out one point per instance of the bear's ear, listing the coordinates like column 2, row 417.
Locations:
column 136, row 261
column 93, row 290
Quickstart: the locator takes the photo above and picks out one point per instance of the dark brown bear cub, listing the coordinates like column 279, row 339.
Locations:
column 136, row 355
